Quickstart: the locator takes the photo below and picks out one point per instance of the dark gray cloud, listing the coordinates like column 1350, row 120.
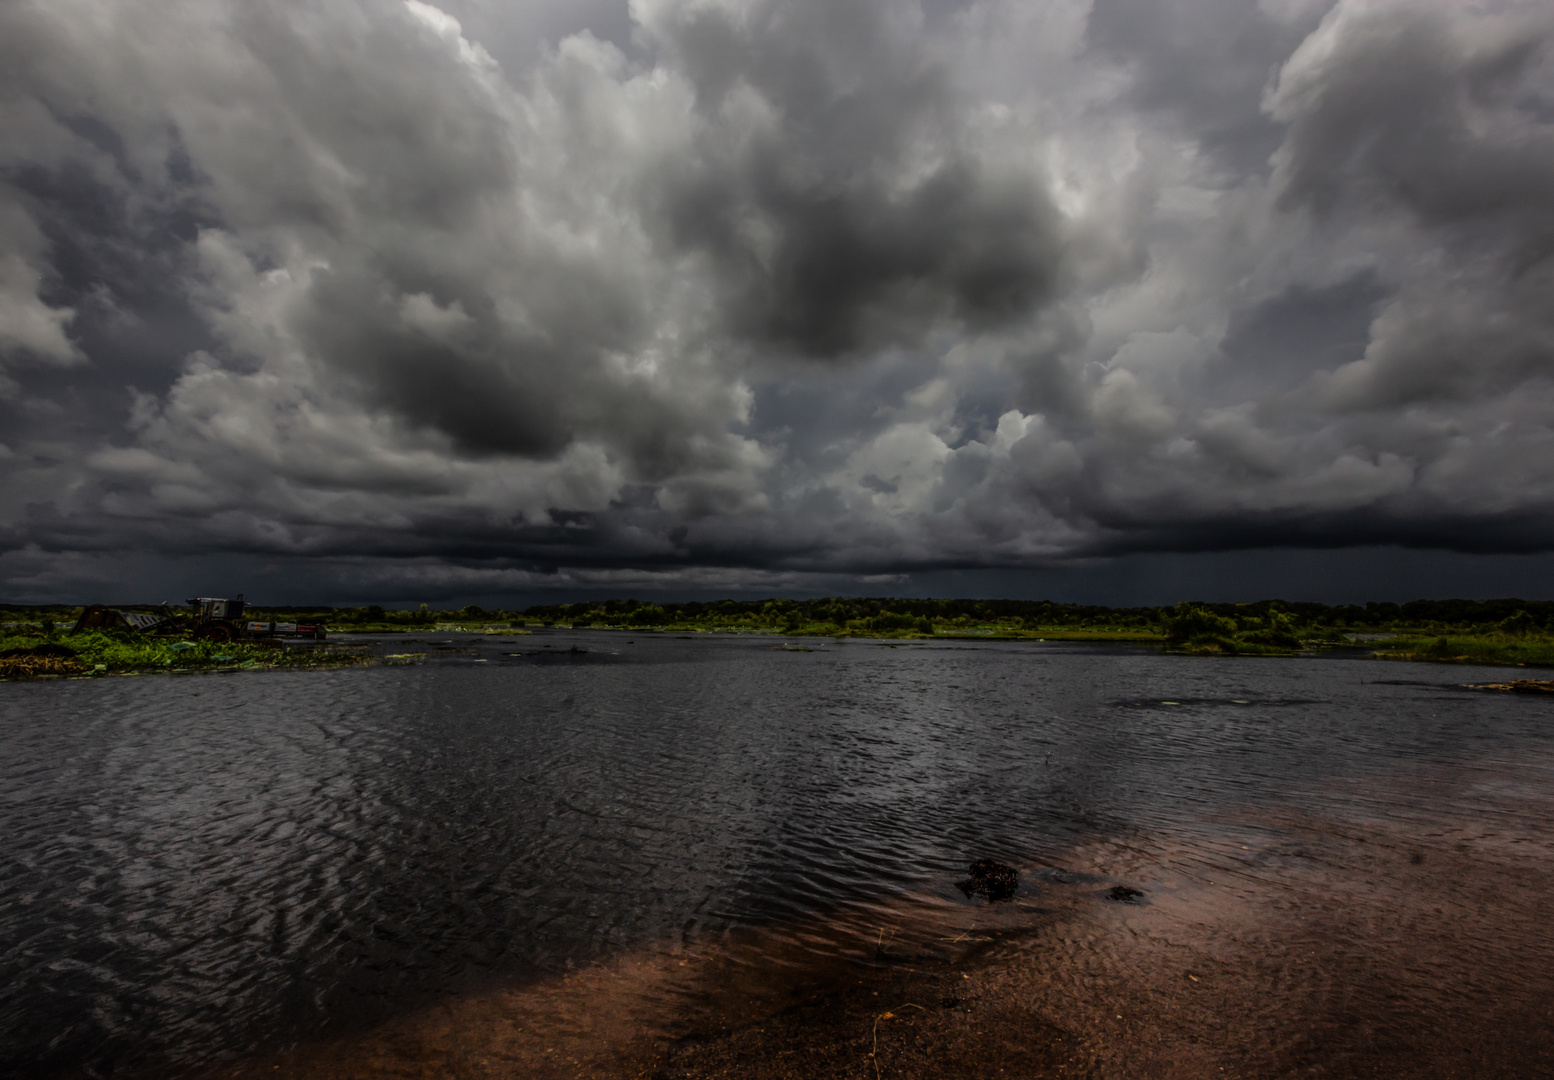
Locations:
column 1279, row 342
column 841, row 210
column 1205, row 64
column 1440, row 111
column 735, row 293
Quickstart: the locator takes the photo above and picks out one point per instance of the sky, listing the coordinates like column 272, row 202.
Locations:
column 1115, row 301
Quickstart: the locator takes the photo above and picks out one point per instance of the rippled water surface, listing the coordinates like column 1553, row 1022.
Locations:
column 197, row 868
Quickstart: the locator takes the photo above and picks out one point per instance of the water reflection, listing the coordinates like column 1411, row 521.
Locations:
column 199, row 869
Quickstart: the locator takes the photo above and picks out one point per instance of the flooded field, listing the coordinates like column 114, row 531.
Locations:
column 614, row 855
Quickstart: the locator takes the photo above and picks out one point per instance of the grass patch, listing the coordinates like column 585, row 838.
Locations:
column 916, row 631
column 1489, row 649
column 1233, row 647
column 1084, row 633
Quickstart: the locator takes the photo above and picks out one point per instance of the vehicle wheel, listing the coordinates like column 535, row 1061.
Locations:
column 218, row 632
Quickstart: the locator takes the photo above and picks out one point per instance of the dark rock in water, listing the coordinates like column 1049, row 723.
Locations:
column 1123, row 895
column 60, row 652
column 991, row 879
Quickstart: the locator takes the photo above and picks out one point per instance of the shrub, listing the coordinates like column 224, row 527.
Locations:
column 1190, row 624
column 647, row 615
column 890, row 620
column 1520, row 624
column 1278, row 631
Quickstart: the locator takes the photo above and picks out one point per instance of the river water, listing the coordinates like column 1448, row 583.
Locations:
column 195, row 870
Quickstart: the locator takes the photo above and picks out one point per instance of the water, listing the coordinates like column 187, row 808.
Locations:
column 199, row 869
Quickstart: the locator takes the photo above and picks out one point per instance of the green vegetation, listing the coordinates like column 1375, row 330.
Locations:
column 99, row 652
column 377, row 620
column 1524, row 650
column 862, row 617
column 1196, row 629
column 1508, row 632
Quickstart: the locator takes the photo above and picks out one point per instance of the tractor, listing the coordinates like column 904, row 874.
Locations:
column 215, row 619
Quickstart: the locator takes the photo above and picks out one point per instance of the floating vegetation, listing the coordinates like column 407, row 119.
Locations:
column 108, row 652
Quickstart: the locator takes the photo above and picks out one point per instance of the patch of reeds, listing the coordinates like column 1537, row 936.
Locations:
column 34, row 667
column 1499, row 650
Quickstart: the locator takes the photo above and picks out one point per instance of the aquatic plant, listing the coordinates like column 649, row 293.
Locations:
column 98, row 652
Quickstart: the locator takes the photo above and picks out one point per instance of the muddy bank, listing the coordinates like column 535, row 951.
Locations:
column 1382, row 941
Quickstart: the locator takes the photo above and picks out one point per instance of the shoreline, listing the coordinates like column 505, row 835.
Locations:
column 158, row 656
column 1398, row 940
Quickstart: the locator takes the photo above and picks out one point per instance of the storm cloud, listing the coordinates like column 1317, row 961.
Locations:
column 475, row 297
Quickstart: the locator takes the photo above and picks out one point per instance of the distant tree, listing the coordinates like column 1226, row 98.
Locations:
column 1197, row 625
column 647, row 615
column 1519, row 625
column 1278, row 630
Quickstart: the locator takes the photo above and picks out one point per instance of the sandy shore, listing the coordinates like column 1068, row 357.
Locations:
column 1285, row 941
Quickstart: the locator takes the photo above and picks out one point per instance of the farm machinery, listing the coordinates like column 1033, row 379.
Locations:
column 208, row 618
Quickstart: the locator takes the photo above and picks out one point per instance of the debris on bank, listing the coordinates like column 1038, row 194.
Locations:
column 46, row 659
column 210, row 618
column 1516, row 686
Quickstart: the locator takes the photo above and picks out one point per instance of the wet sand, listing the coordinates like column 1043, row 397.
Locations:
column 1386, row 940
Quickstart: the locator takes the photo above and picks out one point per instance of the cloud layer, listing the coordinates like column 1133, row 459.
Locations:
column 741, row 288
